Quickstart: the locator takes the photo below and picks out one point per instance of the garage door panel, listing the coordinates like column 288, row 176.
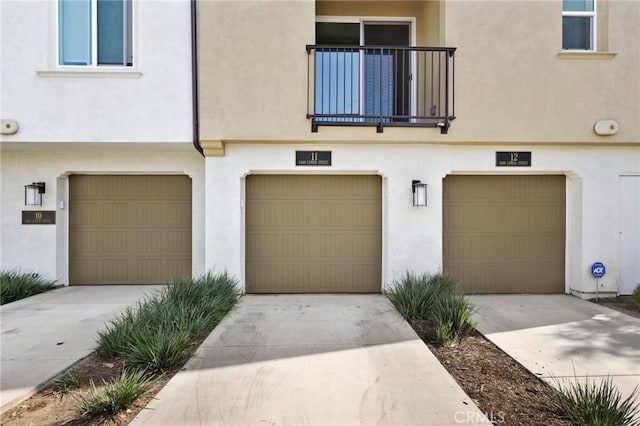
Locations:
column 362, row 242
column 366, row 215
column 129, row 229
column 294, row 214
column 334, row 245
column 505, row 234
column 113, row 213
column 86, row 214
column 111, row 242
column 261, row 245
column 178, row 242
column 149, row 268
column 313, row 234
column 262, row 214
column 266, row 214
column 86, row 241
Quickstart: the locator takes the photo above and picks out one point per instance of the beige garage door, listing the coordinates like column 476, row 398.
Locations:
column 313, row 234
column 505, row 234
column 129, row 229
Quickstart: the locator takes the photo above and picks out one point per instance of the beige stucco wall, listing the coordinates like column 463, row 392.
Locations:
column 511, row 84
column 253, row 68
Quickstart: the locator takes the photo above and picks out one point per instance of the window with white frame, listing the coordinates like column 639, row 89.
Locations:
column 579, row 25
column 95, row 32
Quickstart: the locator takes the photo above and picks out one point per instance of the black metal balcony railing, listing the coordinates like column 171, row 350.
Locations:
column 380, row 86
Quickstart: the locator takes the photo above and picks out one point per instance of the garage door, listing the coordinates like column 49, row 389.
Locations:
column 313, row 234
column 505, row 234
column 129, row 229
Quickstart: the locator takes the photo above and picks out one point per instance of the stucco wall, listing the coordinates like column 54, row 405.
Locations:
column 253, row 67
column 44, row 248
column 511, row 85
column 150, row 102
column 412, row 237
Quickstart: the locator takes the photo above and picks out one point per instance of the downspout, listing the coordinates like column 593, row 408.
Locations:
column 194, row 77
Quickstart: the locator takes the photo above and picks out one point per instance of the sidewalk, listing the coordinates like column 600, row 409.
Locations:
column 313, row 360
column 45, row 334
column 561, row 337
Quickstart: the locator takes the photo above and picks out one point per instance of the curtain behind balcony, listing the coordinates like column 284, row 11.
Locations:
column 379, row 85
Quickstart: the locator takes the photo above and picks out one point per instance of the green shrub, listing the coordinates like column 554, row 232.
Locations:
column 636, row 295
column 159, row 352
column 157, row 334
column 454, row 312
column 117, row 395
column 15, row 285
column 445, row 334
column 588, row 403
column 69, row 381
column 413, row 295
column 437, row 298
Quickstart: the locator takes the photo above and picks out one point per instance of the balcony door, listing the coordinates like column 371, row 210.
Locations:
column 363, row 73
column 387, row 75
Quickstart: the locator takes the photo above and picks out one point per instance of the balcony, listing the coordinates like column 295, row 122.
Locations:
column 380, row 86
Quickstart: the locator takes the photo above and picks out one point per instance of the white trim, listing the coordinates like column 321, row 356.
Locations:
column 375, row 19
column 94, row 34
column 620, row 230
column 91, row 72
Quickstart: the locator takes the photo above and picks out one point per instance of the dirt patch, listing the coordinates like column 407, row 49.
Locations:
column 49, row 407
column 625, row 304
column 504, row 390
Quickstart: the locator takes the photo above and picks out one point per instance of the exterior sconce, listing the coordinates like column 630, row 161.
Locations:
column 419, row 190
column 33, row 194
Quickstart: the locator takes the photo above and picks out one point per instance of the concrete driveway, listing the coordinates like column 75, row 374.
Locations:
column 45, row 334
column 564, row 337
column 313, row 360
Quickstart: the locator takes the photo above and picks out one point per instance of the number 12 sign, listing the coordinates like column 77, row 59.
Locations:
column 513, row 159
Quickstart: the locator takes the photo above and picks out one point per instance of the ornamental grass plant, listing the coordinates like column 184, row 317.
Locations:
column 157, row 335
column 597, row 403
column 114, row 396
column 16, row 285
column 436, row 298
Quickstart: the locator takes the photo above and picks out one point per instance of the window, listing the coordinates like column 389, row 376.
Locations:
column 374, row 80
column 579, row 25
column 95, row 32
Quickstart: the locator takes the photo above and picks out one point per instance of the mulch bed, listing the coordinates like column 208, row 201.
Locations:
column 503, row 389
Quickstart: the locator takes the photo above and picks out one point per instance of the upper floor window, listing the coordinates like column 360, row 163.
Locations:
column 579, row 24
column 95, row 32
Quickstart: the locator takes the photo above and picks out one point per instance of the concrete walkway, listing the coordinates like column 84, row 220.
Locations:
column 45, row 334
column 564, row 337
column 313, row 360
